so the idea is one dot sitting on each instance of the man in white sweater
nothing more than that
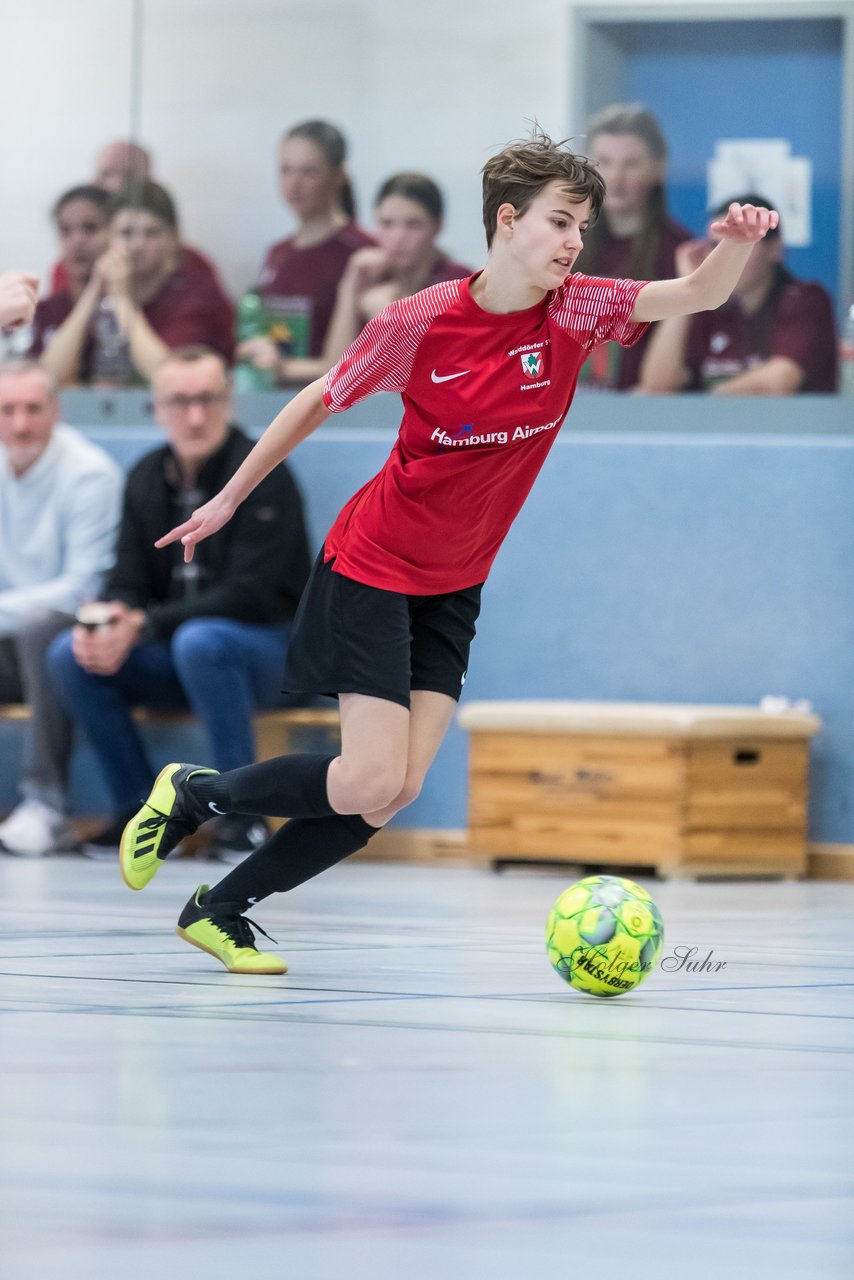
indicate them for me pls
(59, 509)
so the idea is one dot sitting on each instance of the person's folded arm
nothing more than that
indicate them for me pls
(147, 349)
(61, 354)
(776, 376)
(664, 368)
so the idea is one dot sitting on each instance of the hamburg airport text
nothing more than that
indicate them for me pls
(446, 441)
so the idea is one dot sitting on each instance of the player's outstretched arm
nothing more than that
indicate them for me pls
(297, 420)
(712, 282)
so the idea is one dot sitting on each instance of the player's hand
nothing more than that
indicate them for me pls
(745, 224)
(18, 297)
(202, 523)
(690, 255)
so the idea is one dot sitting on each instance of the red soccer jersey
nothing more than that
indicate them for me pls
(483, 397)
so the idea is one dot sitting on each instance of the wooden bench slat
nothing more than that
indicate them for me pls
(300, 717)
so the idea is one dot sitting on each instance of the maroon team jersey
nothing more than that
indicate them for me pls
(610, 368)
(299, 287)
(797, 322)
(483, 397)
(189, 308)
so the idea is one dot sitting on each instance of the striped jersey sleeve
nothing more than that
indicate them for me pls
(382, 356)
(594, 311)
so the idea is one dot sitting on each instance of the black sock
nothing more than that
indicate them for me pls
(287, 787)
(297, 851)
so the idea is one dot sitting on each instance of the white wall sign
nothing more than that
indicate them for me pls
(767, 167)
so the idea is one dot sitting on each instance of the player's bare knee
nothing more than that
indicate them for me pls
(364, 790)
(409, 792)
(406, 794)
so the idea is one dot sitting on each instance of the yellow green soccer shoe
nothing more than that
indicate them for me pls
(169, 814)
(223, 932)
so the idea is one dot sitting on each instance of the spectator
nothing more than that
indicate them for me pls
(121, 164)
(775, 336)
(408, 210)
(82, 217)
(18, 293)
(210, 635)
(141, 300)
(634, 235)
(59, 498)
(299, 276)
(118, 166)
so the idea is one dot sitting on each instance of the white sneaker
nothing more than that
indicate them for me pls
(34, 829)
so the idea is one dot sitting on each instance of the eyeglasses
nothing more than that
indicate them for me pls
(205, 400)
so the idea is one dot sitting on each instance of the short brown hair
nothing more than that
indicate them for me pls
(519, 173)
(191, 354)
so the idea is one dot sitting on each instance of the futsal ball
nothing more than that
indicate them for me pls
(604, 935)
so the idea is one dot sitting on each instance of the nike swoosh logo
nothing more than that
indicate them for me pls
(213, 807)
(446, 377)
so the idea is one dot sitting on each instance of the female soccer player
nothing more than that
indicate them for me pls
(486, 367)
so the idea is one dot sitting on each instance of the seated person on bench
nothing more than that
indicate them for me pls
(59, 499)
(210, 635)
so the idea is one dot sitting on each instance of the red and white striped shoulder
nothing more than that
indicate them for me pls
(594, 310)
(382, 356)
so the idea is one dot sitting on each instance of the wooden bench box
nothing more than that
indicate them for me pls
(690, 790)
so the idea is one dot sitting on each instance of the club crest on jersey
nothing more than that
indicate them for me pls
(532, 363)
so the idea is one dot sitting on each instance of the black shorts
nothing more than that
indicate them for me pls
(351, 638)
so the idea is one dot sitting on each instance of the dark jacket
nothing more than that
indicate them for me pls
(253, 570)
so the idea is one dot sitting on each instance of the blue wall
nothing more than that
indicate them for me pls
(770, 79)
(666, 568)
(647, 565)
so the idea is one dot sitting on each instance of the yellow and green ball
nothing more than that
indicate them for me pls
(604, 935)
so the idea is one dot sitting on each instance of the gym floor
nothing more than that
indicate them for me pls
(421, 1096)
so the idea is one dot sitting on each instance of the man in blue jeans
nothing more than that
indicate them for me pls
(210, 635)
